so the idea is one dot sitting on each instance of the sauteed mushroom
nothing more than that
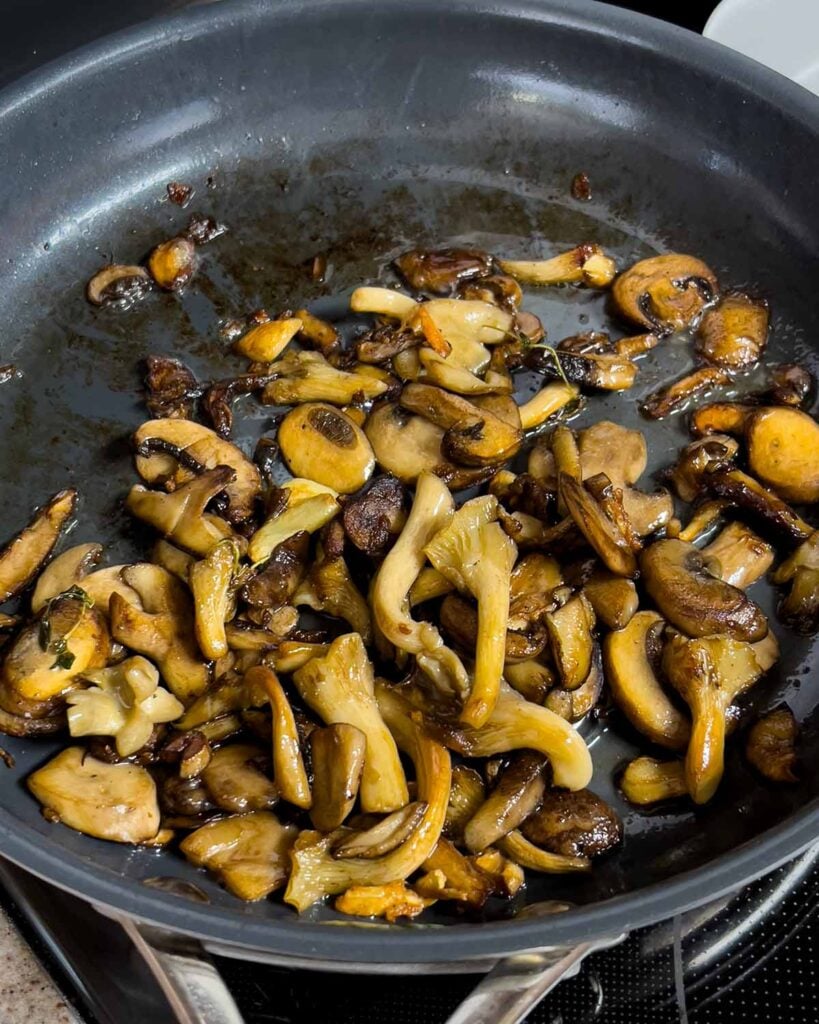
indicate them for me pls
(266, 342)
(441, 271)
(338, 753)
(743, 557)
(674, 397)
(172, 263)
(734, 333)
(516, 795)
(577, 824)
(783, 451)
(325, 445)
(586, 264)
(22, 558)
(648, 781)
(771, 745)
(664, 293)
(118, 285)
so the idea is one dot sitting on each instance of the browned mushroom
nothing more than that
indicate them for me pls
(603, 371)
(800, 609)
(771, 743)
(696, 460)
(790, 385)
(577, 703)
(674, 397)
(439, 272)
(664, 293)
(757, 503)
(743, 557)
(720, 418)
(392, 901)
(325, 445)
(172, 388)
(585, 264)
(22, 558)
(734, 333)
(517, 793)
(783, 451)
(500, 289)
(373, 518)
(648, 781)
(459, 620)
(318, 333)
(172, 263)
(266, 342)
(466, 795)
(577, 824)
(235, 780)
(613, 598)
(338, 753)
(283, 572)
(118, 285)
(602, 534)
(571, 640)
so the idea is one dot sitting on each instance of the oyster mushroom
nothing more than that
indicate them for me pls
(391, 901)
(300, 514)
(118, 285)
(577, 824)
(205, 447)
(247, 852)
(440, 271)
(734, 333)
(628, 655)
(783, 451)
(210, 581)
(664, 293)
(473, 552)
(235, 781)
(289, 774)
(585, 264)
(23, 557)
(613, 599)
(162, 629)
(325, 445)
(431, 510)
(770, 746)
(801, 606)
(459, 380)
(743, 557)
(649, 781)
(108, 801)
(308, 377)
(328, 587)
(706, 516)
(759, 504)
(573, 705)
(546, 402)
(338, 753)
(677, 579)
(673, 397)
(384, 836)
(516, 846)
(709, 673)
(517, 794)
(318, 333)
(466, 795)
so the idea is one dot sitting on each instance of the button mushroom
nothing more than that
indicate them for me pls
(709, 673)
(673, 397)
(770, 746)
(734, 333)
(613, 599)
(743, 557)
(628, 655)
(296, 517)
(64, 572)
(473, 552)
(573, 705)
(578, 824)
(325, 445)
(601, 533)
(22, 558)
(696, 460)
(440, 271)
(374, 518)
(571, 641)
(107, 801)
(664, 293)
(783, 451)
(694, 600)
(118, 285)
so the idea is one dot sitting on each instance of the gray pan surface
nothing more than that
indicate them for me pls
(355, 129)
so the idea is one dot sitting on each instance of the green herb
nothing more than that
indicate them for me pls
(65, 659)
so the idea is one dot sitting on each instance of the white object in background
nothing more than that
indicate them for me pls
(783, 34)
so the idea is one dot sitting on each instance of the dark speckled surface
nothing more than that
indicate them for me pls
(354, 148)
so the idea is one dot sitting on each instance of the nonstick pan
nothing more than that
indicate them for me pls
(354, 129)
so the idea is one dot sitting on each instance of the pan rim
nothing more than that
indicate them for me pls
(319, 941)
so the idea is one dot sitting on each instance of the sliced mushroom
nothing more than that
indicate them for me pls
(677, 579)
(383, 837)
(758, 503)
(163, 631)
(382, 301)
(628, 656)
(325, 445)
(709, 673)
(431, 510)
(236, 783)
(266, 342)
(585, 264)
(308, 377)
(613, 599)
(499, 289)
(210, 581)
(600, 371)
(171, 387)
(617, 451)
(22, 558)
(635, 346)
(771, 743)
(328, 587)
(459, 620)
(384, 342)
(404, 445)
(459, 380)
(338, 753)
(466, 326)
(227, 694)
(734, 333)
(449, 875)
(318, 333)
(247, 852)
(664, 293)
(720, 418)
(118, 285)
(374, 518)
(790, 385)
(601, 533)
(278, 623)
(546, 402)
(289, 774)
(743, 557)
(673, 397)
(531, 679)
(783, 451)
(516, 795)
(577, 824)
(466, 795)
(441, 271)
(107, 801)
(473, 552)
(571, 640)
(63, 572)
(283, 572)
(806, 556)
(706, 516)
(172, 263)
(391, 901)
(339, 688)
(801, 607)
(649, 781)
(516, 846)
(204, 447)
(696, 460)
(292, 654)
(473, 436)
(573, 705)
(316, 873)
(297, 517)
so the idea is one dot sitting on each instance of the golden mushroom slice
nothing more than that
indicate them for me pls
(392, 901)
(648, 781)
(628, 655)
(672, 397)
(571, 640)
(771, 745)
(604, 535)
(236, 783)
(758, 503)
(677, 578)
(247, 852)
(440, 271)
(172, 263)
(613, 599)
(743, 556)
(806, 556)
(460, 380)
(316, 873)
(167, 447)
(517, 794)
(299, 516)
(210, 581)
(266, 342)
(585, 264)
(324, 444)
(162, 630)
(466, 795)
(338, 753)
(340, 688)
(382, 301)
(107, 801)
(474, 553)
(519, 849)
(63, 572)
(573, 705)
(308, 377)
(709, 673)
(466, 327)
(734, 332)
(289, 773)
(664, 293)
(546, 402)
(23, 557)
(783, 451)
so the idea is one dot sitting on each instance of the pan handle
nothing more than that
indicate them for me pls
(186, 974)
(516, 984)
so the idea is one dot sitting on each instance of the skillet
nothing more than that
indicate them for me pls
(357, 130)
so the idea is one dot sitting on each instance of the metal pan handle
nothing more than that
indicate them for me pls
(186, 974)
